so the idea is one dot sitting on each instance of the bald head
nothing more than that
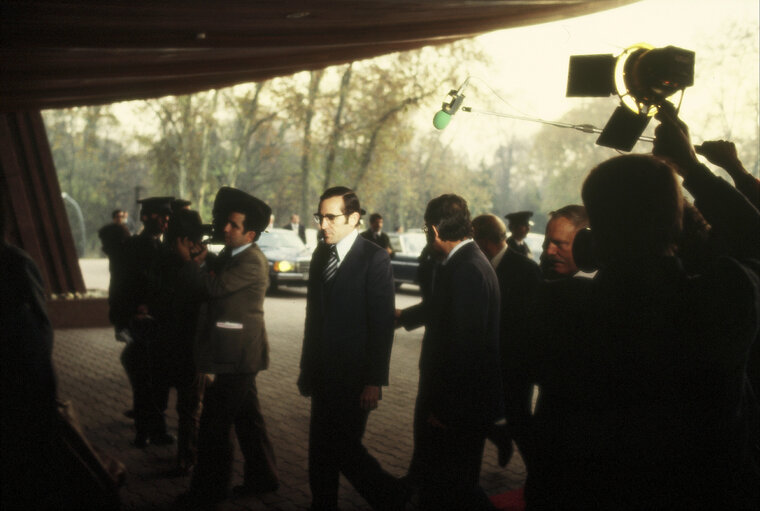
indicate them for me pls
(490, 233)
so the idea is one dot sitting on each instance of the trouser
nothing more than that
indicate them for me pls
(150, 391)
(450, 460)
(232, 399)
(335, 446)
(190, 387)
(421, 412)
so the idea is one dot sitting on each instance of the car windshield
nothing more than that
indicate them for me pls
(280, 239)
(414, 242)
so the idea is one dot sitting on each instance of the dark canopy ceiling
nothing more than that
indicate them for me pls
(60, 53)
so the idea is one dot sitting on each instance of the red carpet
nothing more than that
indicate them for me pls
(509, 501)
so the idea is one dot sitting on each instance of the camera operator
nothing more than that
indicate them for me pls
(644, 401)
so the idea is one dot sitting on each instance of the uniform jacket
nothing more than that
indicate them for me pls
(349, 325)
(233, 338)
(459, 366)
(522, 249)
(135, 277)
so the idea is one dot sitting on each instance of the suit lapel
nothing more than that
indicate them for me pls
(353, 257)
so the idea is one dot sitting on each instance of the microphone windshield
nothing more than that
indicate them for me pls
(441, 119)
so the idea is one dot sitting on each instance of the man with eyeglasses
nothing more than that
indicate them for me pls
(346, 354)
(460, 386)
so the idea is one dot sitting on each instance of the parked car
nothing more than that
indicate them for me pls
(288, 258)
(407, 247)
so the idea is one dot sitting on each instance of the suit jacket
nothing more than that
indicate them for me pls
(459, 366)
(519, 279)
(301, 230)
(135, 278)
(233, 338)
(519, 282)
(349, 323)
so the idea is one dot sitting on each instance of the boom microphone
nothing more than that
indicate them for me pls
(443, 116)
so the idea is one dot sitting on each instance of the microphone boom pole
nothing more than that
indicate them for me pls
(585, 128)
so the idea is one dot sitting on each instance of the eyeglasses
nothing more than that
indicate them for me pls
(329, 217)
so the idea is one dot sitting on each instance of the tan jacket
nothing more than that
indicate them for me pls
(232, 338)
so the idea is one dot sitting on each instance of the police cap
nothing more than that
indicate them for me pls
(159, 205)
(519, 217)
(178, 204)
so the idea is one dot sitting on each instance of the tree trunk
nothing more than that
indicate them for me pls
(332, 144)
(316, 77)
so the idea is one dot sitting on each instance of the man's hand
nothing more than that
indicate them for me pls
(183, 248)
(199, 253)
(672, 141)
(143, 312)
(396, 318)
(721, 153)
(433, 421)
(370, 396)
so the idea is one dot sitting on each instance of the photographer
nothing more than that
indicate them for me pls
(644, 401)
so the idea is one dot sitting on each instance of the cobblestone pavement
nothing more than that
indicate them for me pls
(91, 377)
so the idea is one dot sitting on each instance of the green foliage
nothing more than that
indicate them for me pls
(94, 169)
(287, 139)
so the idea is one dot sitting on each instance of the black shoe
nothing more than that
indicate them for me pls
(194, 500)
(141, 440)
(129, 414)
(403, 495)
(161, 439)
(184, 468)
(247, 490)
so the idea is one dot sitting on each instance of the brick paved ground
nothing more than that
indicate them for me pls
(91, 377)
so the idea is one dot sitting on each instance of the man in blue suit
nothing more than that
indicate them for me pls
(346, 354)
(460, 392)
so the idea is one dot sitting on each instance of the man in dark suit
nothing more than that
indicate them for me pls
(519, 280)
(296, 225)
(460, 382)
(346, 354)
(375, 233)
(113, 235)
(232, 347)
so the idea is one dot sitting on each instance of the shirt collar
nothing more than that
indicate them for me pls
(237, 250)
(498, 257)
(457, 247)
(344, 245)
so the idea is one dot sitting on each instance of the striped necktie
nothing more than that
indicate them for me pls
(331, 268)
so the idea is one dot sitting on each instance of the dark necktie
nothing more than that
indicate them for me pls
(331, 268)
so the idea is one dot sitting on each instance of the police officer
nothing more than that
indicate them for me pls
(133, 306)
(519, 226)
